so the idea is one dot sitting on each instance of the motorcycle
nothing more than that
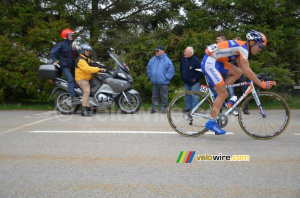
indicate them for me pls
(106, 89)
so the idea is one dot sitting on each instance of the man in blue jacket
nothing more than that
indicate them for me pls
(160, 71)
(67, 53)
(188, 65)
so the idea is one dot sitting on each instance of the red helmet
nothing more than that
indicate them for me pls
(65, 33)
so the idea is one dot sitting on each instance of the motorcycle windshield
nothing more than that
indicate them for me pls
(120, 63)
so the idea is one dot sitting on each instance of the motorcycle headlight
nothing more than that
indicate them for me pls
(122, 75)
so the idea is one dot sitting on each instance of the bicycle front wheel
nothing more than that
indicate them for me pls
(275, 121)
(183, 121)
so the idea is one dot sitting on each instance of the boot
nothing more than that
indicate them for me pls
(88, 109)
(84, 112)
(246, 111)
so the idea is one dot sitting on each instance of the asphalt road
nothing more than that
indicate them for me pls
(45, 154)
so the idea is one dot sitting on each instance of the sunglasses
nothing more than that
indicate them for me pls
(87, 50)
(157, 50)
(260, 45)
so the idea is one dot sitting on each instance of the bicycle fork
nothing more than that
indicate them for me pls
(255, 95)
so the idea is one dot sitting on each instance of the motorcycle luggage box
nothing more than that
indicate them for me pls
(49, 72)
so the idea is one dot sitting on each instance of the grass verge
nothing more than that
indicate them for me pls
(293, 102)
(48, 106)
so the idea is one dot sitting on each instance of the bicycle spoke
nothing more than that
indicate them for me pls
(255, 120)
(186, 124)
(274, 121)
(261, 126)
(265, 126)
(271, 126)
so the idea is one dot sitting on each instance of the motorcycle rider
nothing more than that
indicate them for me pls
(83, 73)
(67, 53)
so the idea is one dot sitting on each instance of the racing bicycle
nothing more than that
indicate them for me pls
(269, 112)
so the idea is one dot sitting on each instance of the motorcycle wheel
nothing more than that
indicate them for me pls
(129, 107)
(64, 105)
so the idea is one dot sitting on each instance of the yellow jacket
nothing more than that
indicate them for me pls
(83, 70)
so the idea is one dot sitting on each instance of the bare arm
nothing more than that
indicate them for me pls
(243, 64)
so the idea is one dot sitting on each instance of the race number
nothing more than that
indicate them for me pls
(210, 49)
(203, 89)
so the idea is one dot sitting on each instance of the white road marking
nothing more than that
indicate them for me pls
(297, 133)
(48, 113)
(27, 125)
(124, 132)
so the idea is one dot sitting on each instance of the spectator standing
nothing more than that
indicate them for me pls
(160, 70)
(188, 65)
(220, 37)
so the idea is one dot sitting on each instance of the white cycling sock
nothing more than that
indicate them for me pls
(213, 120)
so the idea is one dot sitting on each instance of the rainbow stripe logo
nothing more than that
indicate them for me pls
(185, 157)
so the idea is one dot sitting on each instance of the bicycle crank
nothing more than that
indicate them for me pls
(222, 120)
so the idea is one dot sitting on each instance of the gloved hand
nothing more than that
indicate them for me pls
(267, 84)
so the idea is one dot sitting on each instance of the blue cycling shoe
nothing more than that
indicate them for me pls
(212, 125)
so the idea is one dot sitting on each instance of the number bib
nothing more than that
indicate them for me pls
(210, 49)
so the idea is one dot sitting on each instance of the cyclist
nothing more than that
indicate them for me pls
(220, 38)
(216, 63)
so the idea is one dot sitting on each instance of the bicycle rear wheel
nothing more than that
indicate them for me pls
(273, 124)
(184, 123)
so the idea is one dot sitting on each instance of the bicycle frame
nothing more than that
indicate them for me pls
(270, 113)
(249, 90)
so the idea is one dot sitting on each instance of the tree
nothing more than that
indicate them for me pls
(278, 19)
(31, 28)
(27, 33)
(133, 28)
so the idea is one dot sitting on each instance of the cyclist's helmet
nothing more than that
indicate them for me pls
(65, 32)
(258, 37)
(83, 47)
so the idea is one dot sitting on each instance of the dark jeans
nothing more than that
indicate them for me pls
(161, 91)
(191, 100)
(69, 74)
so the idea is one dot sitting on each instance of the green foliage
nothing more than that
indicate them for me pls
(29, 29)
(278, 19)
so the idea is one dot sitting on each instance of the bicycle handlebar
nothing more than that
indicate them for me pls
(264, 77)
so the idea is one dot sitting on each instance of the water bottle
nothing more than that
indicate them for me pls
(231, 101)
